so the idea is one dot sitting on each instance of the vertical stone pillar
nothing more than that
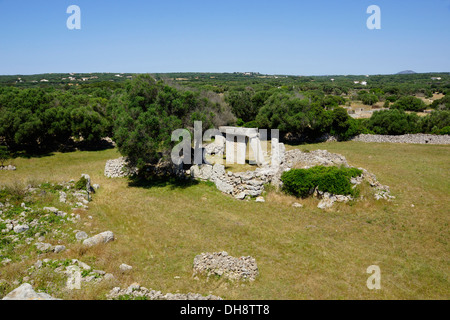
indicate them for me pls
(275, 140)
(241, 149)
(230, 148)
(255, 144)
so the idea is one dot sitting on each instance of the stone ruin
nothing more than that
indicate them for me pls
(223, 265)
(8, 168)
(242, 185)
(118, 168)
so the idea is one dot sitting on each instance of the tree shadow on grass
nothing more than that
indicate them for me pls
(161, 182)
(31, 154)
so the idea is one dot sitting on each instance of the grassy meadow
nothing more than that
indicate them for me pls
(302, 253)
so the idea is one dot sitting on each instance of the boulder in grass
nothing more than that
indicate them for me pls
(26, 292)
(100, 238)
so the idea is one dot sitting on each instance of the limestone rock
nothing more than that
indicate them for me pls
(260, 199)
(81, 235)
(58, 249)
(44, 247)
(124, 267)
(26, 292)
(103, 237)
(21, 228)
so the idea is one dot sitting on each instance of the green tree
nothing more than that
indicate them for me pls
(393, 122)
(409, 103)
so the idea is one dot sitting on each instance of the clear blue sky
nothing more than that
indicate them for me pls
(274, 37)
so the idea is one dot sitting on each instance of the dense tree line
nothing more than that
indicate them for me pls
(43, 119)
(141, 113)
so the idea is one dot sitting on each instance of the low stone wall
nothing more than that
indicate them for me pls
(240, 185)
(135, 291)
(117, 168)
(223, 265)
(407, 138)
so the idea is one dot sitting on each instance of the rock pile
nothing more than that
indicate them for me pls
(381, 191)
(222, 265)
(67, 267)
(118, 168)
(136, 292)
(407, 138)
(8, 168)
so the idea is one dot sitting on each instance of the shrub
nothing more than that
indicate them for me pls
(302, 182)
(81, 184)
(445, 130)
(394, 122)
(435, 122)
(409, 104)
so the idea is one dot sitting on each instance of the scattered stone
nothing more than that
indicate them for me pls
(26, 292)
(62, 197)
(260, 199)
(56, 211)
(297, 205)
(44, 247)
(135, 291)
(108, 277)
(8, 168)
(81, 235)
(58, 249)
(103, 237)
(21, 228)
(124, 267)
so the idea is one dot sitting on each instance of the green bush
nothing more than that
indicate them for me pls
(302, 182)
(81, 184)
(445, 130)
(409, 103)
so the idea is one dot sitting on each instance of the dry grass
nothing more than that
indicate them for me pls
(302, 253)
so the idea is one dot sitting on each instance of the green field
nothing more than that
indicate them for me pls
(302, 253)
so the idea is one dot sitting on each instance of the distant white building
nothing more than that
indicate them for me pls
(44, 80)
(364, 83)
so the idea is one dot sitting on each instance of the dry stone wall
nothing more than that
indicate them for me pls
(407, 138)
